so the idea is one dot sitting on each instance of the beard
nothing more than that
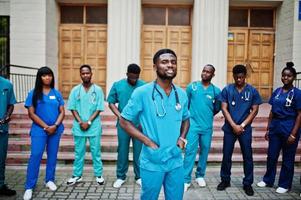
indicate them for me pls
(166, 77)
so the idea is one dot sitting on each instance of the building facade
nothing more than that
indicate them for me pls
(110, 34)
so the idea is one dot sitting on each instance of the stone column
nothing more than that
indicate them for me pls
(209, 38)
(123, 37)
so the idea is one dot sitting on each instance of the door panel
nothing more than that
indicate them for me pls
(176, 38)
(237, 50)
(153, 39)
(261, 57)
(81, 44)
(255, 49)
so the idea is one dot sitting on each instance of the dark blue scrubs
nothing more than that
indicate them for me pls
(283, 121)
(239, 107)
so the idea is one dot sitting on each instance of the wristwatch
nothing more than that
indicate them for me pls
(89, 122)
(243, 125)
(184, 140)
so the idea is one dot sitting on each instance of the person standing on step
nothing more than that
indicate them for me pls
(86, 101)
(7, 101)
(120, 93)
(162, 110)
(240, 104)
(45, 107)
(283, 131)
(203, 105)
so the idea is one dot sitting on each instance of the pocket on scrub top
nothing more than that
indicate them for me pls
(162, 155)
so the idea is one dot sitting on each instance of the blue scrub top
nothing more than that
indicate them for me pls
(86, 103)
(47, 110)
(164, 131)
(203, 102)
(243, 102)
(284, 117)
(7, 97)
(121, 92)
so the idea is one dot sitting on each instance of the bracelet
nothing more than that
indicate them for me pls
(292, 136)
(46, 128)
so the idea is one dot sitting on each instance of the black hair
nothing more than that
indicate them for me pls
(290, 67)
(133, 68)
(38, 88)
(239, 69)
(162, 51)
(210, 65)
(85, 66)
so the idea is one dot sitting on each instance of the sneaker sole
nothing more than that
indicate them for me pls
(77, 181)
(100, 183)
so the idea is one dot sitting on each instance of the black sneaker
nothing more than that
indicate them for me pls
(4, 190)
(223, 185)
(248, 190)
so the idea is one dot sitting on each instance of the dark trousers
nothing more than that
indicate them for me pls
(245, 141)
(277, 142)
(3, 153)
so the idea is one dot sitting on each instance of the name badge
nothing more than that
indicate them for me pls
(51, 97)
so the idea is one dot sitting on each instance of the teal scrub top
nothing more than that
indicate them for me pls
(121, 92)
(7, 97)
(164, 131)
(203, 104)
(86, 103)
(48, 110)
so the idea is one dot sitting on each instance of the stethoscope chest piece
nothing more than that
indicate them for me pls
(178, 106)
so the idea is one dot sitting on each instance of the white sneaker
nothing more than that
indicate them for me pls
(138, 182)
(73, 180)
(118, 183)
(186, 186)
(281, 190)
(51, 186)
(201, 182)
(100, 180)
(261, 184)
(27, 194)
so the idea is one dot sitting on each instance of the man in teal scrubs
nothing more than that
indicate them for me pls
(7, 101)
(203, 105)
(162, 110)
(86, 101)
(120, 93)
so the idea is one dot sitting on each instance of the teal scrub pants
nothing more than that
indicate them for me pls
(172, 181)
(196, 138)
(3, 153)
(123, 154)
(80, 151)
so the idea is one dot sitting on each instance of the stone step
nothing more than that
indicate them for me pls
(107, 145)
(21, 158)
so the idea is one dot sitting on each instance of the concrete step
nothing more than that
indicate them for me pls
(107, 145)
(21, 158)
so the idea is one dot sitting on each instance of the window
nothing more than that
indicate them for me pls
(75, 14)
(166, 16)
(261, 18)
(4, 45)
(238, 17)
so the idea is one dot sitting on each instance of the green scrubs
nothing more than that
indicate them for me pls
(86, 103)
(120, 93)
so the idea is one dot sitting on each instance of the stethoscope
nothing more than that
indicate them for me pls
(178, 106)
(289, 98)
(246, 97)
(92, 97)
(194, 87)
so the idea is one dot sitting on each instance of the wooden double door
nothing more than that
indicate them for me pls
(255, 49)
(82, 44)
